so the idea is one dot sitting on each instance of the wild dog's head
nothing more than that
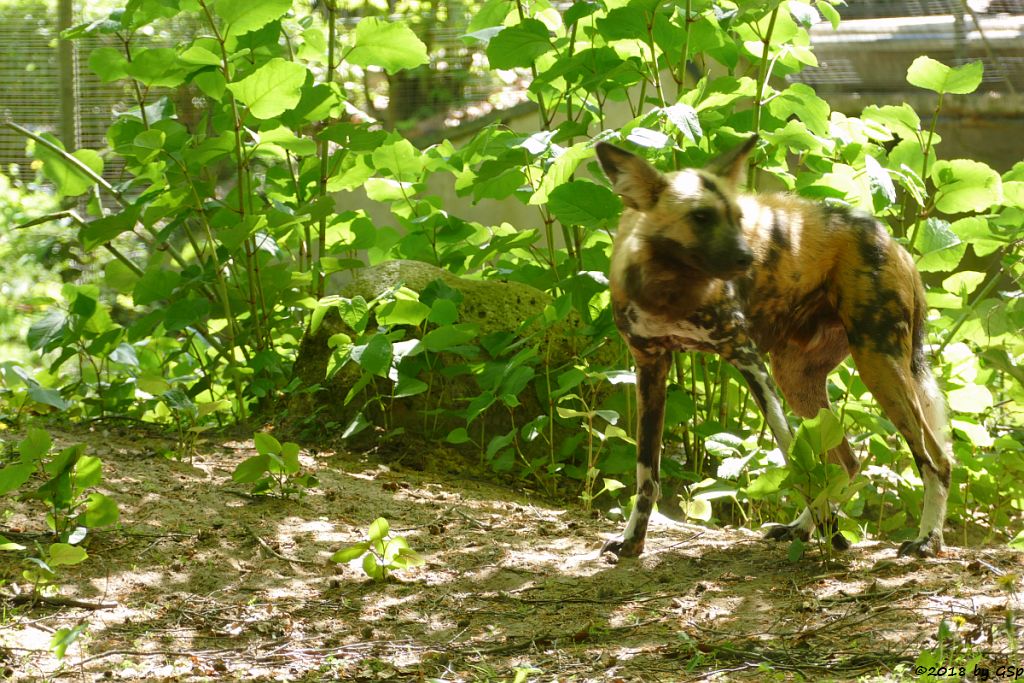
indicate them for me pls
(690, 218)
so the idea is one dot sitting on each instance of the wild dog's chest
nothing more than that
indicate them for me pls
(714, 329)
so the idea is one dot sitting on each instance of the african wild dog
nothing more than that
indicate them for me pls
(698, 265)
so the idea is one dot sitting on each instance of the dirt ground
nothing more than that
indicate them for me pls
(204, 582)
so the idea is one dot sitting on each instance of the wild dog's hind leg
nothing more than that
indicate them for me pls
(801, 372)
(748, 362)
(651, 373)
(912, 401)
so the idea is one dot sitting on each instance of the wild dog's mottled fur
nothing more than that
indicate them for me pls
(699, 265)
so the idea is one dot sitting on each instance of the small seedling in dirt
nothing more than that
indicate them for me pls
(382, 553)
(69, 474)
(41, 571)
(275, 469)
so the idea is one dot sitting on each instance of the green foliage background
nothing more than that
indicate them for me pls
(219, 239)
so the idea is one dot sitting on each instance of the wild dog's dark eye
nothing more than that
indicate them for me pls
(703, 217)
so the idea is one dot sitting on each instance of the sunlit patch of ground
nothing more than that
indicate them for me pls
(205, 582)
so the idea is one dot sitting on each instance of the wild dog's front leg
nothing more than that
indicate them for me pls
(651, 372)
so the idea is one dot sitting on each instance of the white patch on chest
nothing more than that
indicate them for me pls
(647, 326)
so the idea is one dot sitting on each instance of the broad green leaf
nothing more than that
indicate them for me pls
(391, 45)
(242, 16)
(444, 338)
(35, 445)
(64, 554)
(973, 398)
(70, 180)
(251, 469)
(272, 89)
(767, 483)
(379, 528)
(88, 470)
(290, 457)
(108, 63)
(582, 202)
(933, 75)
(941, 249)
(457, 436)
(185, 312)
(155, 285)
(1017, 543)
(352, 552)
(102, 230)
(14, 476)
(47, 329)
(100, 510)
(491, 13)
(402, 312)
(375, 355)
(964, 185)
(64, 638)
(404, 161)
(9, 545)
(158, 68)
(685, 119)
(698, 509)
(519, 45)
(372, 567)
(266, 443)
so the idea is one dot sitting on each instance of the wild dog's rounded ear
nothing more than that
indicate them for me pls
(732, 165)
(636, 181)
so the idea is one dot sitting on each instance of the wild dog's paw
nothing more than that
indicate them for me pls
(620, 547)
(929, 545)
(787, 532)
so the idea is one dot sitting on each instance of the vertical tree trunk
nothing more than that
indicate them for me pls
(66, 65)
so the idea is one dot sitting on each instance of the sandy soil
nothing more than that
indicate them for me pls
(204, 582)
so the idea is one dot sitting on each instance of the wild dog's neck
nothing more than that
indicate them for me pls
(668, 288)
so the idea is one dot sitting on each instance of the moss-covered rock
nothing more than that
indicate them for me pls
(492, 306)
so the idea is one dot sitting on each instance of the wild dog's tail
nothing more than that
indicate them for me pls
(928, 395)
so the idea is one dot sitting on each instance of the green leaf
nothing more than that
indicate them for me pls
(272, 89)
(391, 45)
(69, 179)
(185, 312)
(933, 75)
(582, 202)
(266, 444)
(444, 338)
(9, 545)
(100, 510)
(35, 445)
(108, 63)
(64, 554)
(242, 16)
(352, 552)
(379, 528)
(519, 45)
(88, 470)
(973, 398)
(964, 185)
(698, 509)
(941, 249)
(14, 476)
(47, 329)
(404, 161)
(374, 356)
(372, 567)
(290, 457)
(63, 638)
(251, 469)
(158, 68)
(155, 285)
(457, 436)
(102, 230)
(767, 484)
